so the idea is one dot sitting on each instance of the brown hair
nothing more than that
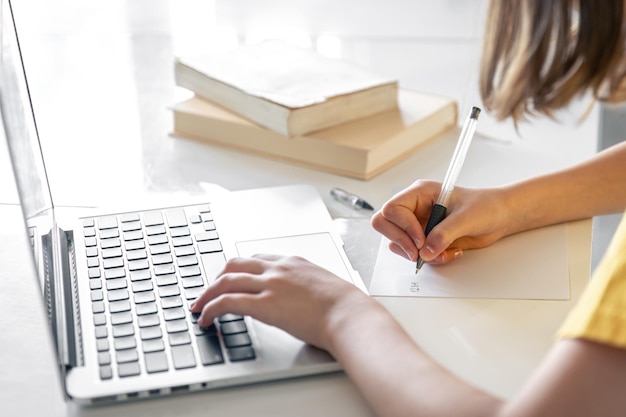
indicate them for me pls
(540, 54)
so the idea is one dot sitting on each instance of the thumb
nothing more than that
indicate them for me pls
(436, 246)
(447, 256)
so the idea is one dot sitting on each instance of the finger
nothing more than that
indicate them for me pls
(395, 248)
(268, 257)
(396, 234)
(447, 256)
(403, 216)
(443, 237)
(228, 283)
(251, 265)
(241, 304)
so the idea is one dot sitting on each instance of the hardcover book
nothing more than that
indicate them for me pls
(289, 90)
(361, 148)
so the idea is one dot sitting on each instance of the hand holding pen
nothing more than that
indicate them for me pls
(458, 158)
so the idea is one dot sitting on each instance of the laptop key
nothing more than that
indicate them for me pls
(233, 327)
(101, 332)
(140, 275)
(153, 345)
(176, 217)
(160, 249)
(174, 326)
(155, 362)
(169, 290)
(184, 251)
(210, 350)
(126, 342)
(157, 239)
(141, 286)
(128, 369)
(131, 226)
(129, 217)
(241, 354)
(208, 246)
(146, 308)
(164, 269)
(152, 332)
(116, 284)
(112, 252)
(152, 218)
(97, 295)
(144, 297)
(163, 280)
(174, 313)
(237, 340)
(108, 222)
(155, 230)
(104, 358)
(97, 307)
(94, 272)
(114, 273)
(148, 320)
(171, 302)
(113, 263)
(202, 331)
(116, 295)
(210, 235)
(102, 345)
(127, 355)
(123, 317)
(132, 235)
(117, 306)
(190, 271)
(164, 258)
(106, 372)
(183, 357)
(108, 233)
(180, 338)
(133, 255)
(213, 264)
(179, 231)
(193, 282)
(182, 241)
(121, 330)
(193, 293)
(134, 244)
(187, 260)
(138, 264)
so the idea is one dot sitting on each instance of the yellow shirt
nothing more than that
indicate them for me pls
(600, 314)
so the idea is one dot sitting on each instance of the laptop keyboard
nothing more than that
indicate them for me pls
(145, 269)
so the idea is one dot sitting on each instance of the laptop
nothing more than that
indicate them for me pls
(117, 286)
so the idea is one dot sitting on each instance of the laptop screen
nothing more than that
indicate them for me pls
(19, 124)
(26, 156)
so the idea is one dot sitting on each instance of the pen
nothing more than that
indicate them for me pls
(350, 199)
(440, 207)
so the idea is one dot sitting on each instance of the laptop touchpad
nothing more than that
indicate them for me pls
(318, 248)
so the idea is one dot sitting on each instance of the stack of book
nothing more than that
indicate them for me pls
(291, 103)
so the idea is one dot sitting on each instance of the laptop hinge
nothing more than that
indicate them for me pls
(64, 290)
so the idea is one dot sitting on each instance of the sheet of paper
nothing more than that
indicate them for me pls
(529, 265)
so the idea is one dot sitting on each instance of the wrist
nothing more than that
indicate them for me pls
(350, 321)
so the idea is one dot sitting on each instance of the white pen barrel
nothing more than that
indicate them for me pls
(458, 158)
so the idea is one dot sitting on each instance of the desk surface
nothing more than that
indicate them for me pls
(101, 77)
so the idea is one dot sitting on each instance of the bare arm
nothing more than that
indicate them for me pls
(478, 217)
(591, 188)
(577, 379)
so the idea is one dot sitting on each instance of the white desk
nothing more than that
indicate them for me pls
(102, 77)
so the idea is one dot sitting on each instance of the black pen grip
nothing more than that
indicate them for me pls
(436, 216)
